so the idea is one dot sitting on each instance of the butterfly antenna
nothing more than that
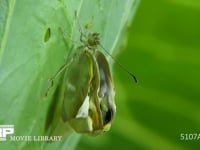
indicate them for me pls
(126, 70)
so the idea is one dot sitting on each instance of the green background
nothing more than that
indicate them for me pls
(162, 46)
(163, 51)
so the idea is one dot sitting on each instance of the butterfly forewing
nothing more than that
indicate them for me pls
(77, 78)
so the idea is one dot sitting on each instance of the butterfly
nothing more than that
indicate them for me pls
(88, 104)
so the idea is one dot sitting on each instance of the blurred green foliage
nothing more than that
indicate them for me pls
(163, 51)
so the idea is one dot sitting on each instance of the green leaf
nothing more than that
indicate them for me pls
(32, 49)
